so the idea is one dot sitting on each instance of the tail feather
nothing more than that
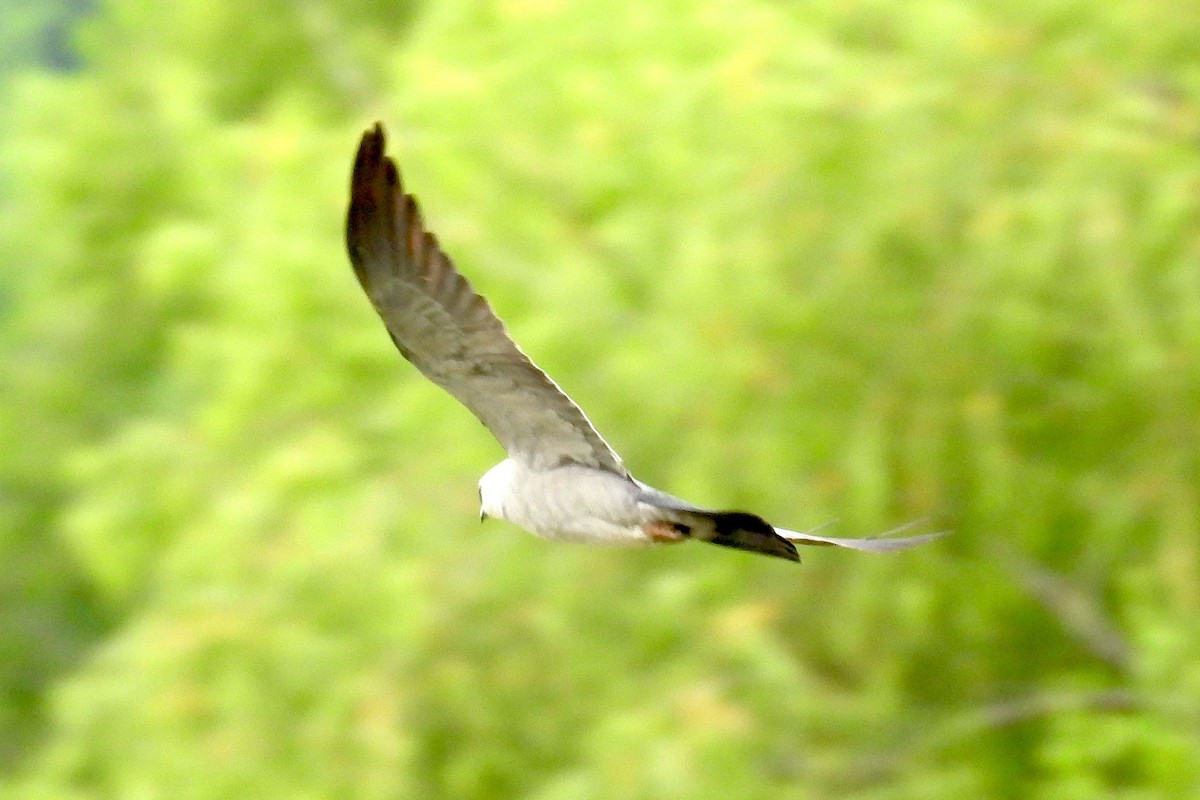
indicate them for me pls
(883, 543)
(738, 530)
(744, 531)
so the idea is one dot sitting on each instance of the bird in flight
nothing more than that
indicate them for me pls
(561, 480)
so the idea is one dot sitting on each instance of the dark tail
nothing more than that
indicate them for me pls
(738, 530)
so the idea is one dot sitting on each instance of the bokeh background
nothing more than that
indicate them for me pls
(863, 260)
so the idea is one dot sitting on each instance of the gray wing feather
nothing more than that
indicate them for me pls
(449, 332)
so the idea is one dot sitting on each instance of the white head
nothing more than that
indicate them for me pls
(494, 490)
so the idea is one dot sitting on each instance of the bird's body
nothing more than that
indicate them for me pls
(561, 480)
(568, 503)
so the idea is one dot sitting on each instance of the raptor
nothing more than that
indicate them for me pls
(561, 480)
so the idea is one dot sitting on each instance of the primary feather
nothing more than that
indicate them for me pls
(449, 332)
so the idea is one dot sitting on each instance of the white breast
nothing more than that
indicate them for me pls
(569, 503)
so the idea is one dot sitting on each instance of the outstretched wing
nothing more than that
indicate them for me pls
(449, 332)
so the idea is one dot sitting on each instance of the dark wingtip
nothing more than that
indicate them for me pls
(373, 140)
(367, 161)
(373, 180)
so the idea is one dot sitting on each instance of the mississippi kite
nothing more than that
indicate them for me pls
(561, 480)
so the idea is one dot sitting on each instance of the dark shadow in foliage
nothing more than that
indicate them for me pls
(50, 618)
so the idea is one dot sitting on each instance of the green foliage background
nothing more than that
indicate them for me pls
(861, 260)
